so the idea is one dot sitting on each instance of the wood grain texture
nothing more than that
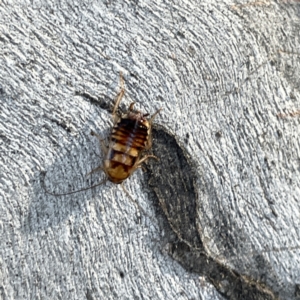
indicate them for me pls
(227, 77)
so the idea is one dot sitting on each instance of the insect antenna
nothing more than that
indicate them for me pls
(73, 192)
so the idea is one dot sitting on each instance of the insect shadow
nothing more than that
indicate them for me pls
(175, 184)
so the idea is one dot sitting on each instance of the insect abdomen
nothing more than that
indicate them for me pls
(129, 137)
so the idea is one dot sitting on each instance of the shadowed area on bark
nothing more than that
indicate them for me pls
(173, 180)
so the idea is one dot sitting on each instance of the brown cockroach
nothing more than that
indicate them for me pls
(130, 138)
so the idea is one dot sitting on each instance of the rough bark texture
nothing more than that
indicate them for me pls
(218, 217)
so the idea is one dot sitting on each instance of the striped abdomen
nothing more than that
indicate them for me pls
(129, 137)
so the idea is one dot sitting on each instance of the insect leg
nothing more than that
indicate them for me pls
(100, 168)
(131, 106)
(154, 115)
(139, 208)
(291, 114)
(139, 162)
(102, 143)
(119, 97)
(149, 142)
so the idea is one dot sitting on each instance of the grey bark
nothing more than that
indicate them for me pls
(227, 77)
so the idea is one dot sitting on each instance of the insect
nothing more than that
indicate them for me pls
(129, 140)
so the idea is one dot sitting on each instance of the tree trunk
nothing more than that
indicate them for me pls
(217, 217)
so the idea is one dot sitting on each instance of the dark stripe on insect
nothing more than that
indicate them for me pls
(115, 164)
(121, 144)
(133, 143)
(113, 152)
(130, 142)
(137, 132)
(124, 131)
(129, 126)
(130, 123)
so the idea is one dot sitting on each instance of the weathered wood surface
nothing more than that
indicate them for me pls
(222, 72)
